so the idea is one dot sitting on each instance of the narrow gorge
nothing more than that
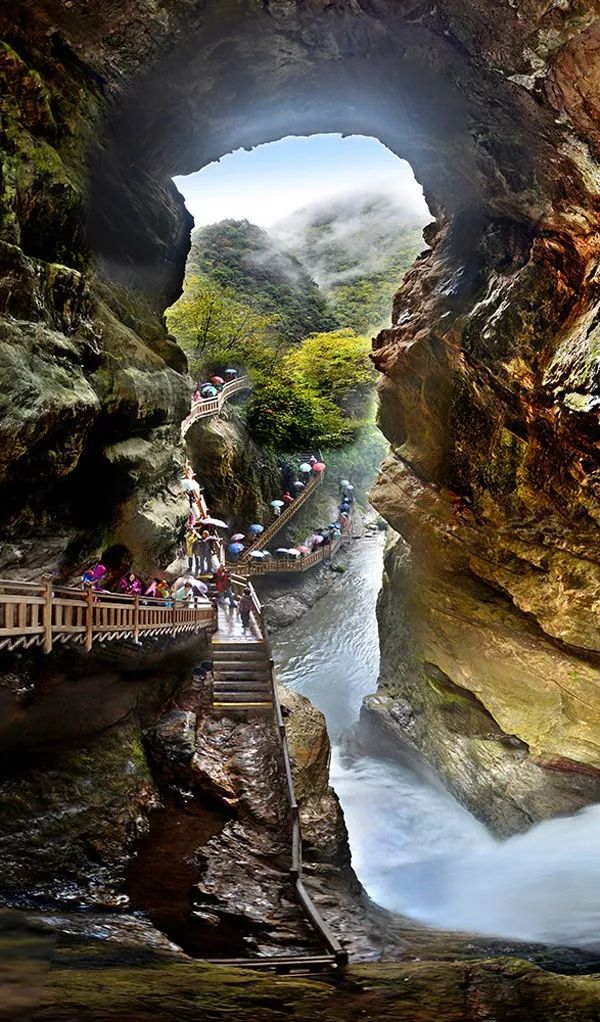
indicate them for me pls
(440, 688)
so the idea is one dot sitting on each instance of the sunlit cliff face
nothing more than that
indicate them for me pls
(489, 372)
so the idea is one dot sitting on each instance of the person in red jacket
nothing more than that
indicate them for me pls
(223, 587)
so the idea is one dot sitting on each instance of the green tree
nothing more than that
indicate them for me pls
(214, 327)
(286, 413)
(334, 364)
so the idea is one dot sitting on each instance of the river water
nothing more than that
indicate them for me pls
(414, 848)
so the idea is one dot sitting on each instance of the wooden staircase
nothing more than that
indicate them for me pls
(242, 675)
(265, 537)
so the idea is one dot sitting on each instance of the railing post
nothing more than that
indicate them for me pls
(48, 615)
(174, 618)
(136, 617)
(89, 623)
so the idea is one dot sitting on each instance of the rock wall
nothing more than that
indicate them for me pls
(489, 397)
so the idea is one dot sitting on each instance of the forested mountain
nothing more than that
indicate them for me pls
(357, 248)
(240, 256)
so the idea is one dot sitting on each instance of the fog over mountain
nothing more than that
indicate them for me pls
(263, 272)
(357, 247)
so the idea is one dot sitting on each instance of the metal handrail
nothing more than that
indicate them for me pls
(213, 405)
(308, 907)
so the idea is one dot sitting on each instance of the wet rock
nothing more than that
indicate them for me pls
(174, 737)
(323, 828)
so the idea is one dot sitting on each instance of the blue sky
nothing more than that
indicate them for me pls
(277, 178)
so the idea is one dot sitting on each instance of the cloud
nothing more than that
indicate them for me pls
(349, 236)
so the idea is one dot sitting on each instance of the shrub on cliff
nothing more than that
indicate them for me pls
(286, 413)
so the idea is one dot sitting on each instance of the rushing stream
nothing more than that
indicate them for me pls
(414, 848)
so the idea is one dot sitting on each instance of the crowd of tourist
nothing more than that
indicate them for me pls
(208, 576)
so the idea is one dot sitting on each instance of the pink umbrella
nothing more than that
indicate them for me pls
(316, 540)
(319, 466)
(303, 549)
(239, 536)
(217, 379)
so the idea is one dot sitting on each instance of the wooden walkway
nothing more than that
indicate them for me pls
(48, 615)
(213, 405)
(276, 566)
(245, 680)
(286, 515)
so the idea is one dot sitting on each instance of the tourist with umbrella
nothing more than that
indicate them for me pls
(318, 467)
(256, 529)
(218, 382)
(298, 486)
(306, 469)
(230, 374)
(287, 498)
(277, 506)
(235, 549)
(207, 390)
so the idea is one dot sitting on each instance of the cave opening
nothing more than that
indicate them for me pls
(489, 376)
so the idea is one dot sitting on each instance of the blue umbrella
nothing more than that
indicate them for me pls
(256, 529)
(207, 390)
(235, 548)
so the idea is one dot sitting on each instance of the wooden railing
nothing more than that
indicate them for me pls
(275, 566)
(284, 517)
(46, 615)
(213, 405)
(339, 956)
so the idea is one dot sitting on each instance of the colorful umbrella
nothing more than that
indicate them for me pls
(316, 540)
(256, 529)
(207, 390)
(217, 380)
(305, 467)
(257, 555)
(319, 466)
(235, 548)
(303, 549)
(218, 524)
(238, 537)
(276, 503)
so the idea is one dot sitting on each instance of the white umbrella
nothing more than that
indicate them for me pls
(305, 467)
(214, 521)
(276, 503)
